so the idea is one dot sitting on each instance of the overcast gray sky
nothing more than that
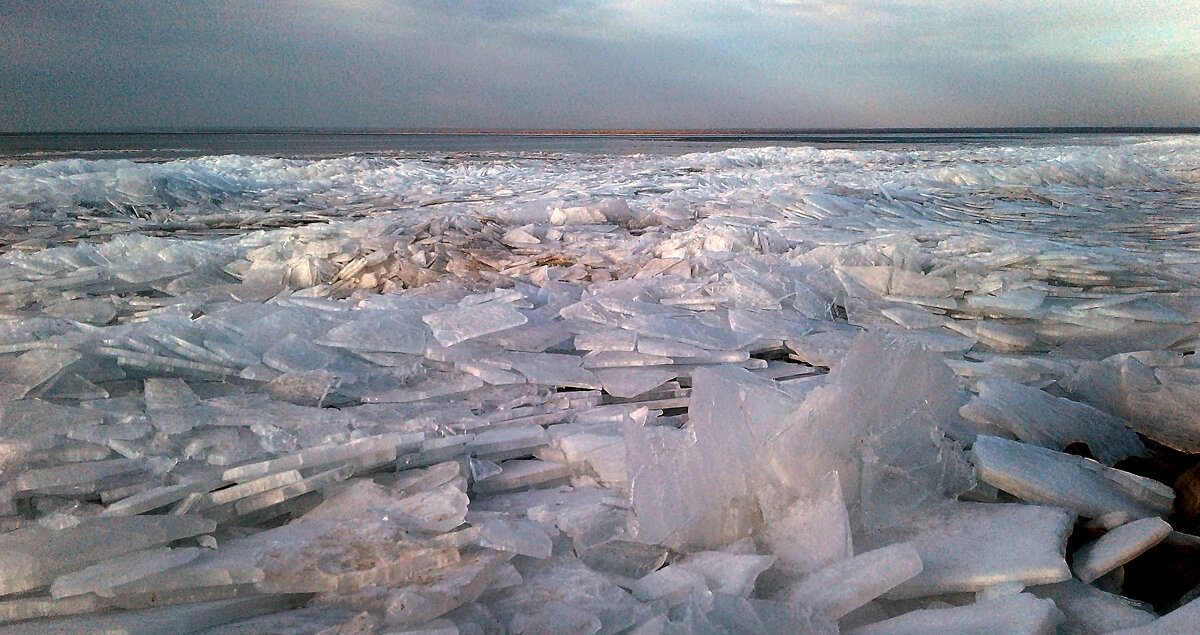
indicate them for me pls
(597, 64)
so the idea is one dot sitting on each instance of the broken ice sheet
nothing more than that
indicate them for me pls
(435, 510)
(1163, 409)
(184, 618)
(33, 557)
(446, 589)
(100, 578)
(968, 547)
(631, 382)
(751, 447)
(1090, 610)
(562, 594)
(811, 534)
(378, 331)
(1043, 476)
(670, 585)
(843, 586)
(1021, 614)
(726, 572)
(520, 537)
(20, 375)
(458, 324)
(1118, 546)
(1040, 418)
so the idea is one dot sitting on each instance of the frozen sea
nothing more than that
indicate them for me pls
(494, 383)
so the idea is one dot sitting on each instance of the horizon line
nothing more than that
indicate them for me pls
(620, 131)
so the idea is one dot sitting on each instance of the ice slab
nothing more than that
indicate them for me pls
(1043, 476)
(885, 280)
(751, 447)
(1019, 303)
(100, 578)
(521, 474)
(446, 589)
(520, 537)
(564, 595)
(1037, 417)
(34, 557)
(1118, 546)
(1090, 610)
(725, 572)
(1021, 614)
(631, 382)
(179, 619)
(811, 534)
(73, 478)
(670, 585)
(462, 323)
(844, 586)
(968, 547)
(1181, 621)
(1153, 404)
(378, 332)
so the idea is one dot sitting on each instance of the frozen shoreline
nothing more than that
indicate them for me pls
(501, 394)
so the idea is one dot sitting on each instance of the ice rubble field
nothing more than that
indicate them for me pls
(758, 390)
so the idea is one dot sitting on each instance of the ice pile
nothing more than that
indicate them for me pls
(772, 390)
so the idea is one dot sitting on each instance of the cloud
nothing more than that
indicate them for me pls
(597, 63)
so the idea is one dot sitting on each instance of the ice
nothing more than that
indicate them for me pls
(378, 332)
(520, 474)
(727, 573)
(612, 340)
(183, 618)
(1021, 614)
(1178, 622)
(1005, 337)
(445, 590)
(33, 558)
(32, 369)
(163, 393)
(844, 586)
(969, 547)
(564, 595)
(100, 578)
(80, 478)
(488, 392)
(325, 455)
(508, 442)
(885, 280)
(631, 382)
(811, 534)
(1043, 476)
(1156, 405)
(1118, 546)
(670, 585)
(752, 448)
(1037, 417)
(523, 538)
(462, 323)
(1022, 303)
(1090, 610)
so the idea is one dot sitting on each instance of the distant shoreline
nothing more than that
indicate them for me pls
(714, 133)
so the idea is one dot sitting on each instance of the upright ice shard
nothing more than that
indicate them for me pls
(752, 447)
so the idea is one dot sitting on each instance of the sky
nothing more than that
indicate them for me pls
(596, 64)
